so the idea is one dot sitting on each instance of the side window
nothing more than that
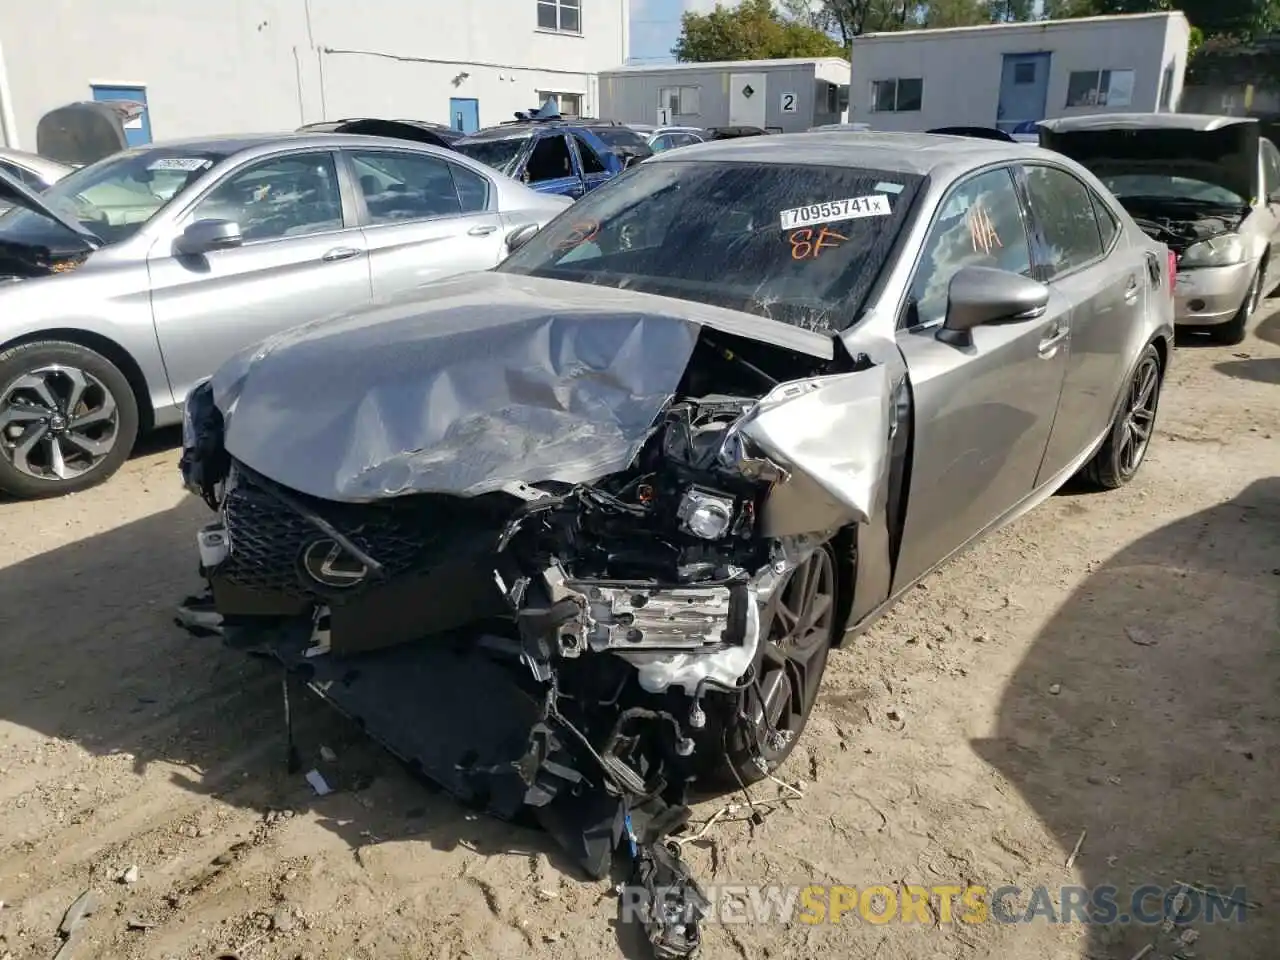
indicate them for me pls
(550, 160)
(281, 197)
(473, 189)
(591, 162)
(1068, 224)
(399, 187)
(1107, 222)
(979, 224)
(664, 142)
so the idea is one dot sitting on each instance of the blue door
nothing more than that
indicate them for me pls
(136, 131)
(464, 114)
(1024, 89)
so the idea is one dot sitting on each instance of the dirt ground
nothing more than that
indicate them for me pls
(1108, 664)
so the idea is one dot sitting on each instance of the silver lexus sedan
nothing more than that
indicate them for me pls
(129, 280)
(612, 502)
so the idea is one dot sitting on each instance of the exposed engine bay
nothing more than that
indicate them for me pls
(593, 647)
(1178, 225)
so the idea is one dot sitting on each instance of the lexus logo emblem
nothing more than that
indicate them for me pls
(329, 565)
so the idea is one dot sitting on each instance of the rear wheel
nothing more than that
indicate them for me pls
(1234, 330)
(769, 717)
(1121, 454)
(68, 419)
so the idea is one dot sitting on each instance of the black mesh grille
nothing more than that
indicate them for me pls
(405, 535)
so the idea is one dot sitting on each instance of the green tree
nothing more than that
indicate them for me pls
(753, 30)
(1243, 19)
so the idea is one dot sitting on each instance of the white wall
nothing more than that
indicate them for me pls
(962, 68)
(235, 66)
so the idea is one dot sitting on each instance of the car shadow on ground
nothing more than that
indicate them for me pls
(1145, 718)
(91, 655)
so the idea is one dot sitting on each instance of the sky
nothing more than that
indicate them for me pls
(655, 25)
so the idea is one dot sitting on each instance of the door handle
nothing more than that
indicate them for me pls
(1049, 345)
(481, 231)
(1131, 291)
(341, 253)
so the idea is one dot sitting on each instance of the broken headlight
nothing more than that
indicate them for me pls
(705, 514)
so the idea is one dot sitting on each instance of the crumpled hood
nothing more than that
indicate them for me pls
(466, 385)
(20, 195)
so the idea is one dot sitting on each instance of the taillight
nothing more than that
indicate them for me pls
(1173, 271)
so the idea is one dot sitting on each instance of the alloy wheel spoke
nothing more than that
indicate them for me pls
(22, 450)
(39, 385)
(96, 449)
(57, 465)
(79, 384)
(21, 413)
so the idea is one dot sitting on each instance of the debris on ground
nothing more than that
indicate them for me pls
(130, 875)
(327, 755)
(318, 783)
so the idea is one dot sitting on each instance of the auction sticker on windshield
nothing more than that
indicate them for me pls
(833, 211)
(185, 164)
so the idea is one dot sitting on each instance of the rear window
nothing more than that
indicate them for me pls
(799, 244)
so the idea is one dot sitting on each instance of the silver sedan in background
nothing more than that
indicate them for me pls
(37, 172)
(131, 279)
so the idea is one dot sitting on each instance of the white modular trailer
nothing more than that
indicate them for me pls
(1012, 75)
(787, 96)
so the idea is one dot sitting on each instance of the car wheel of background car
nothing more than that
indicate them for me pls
(1233, 331)
(68, 419)
(796, 639)
(1121, 454)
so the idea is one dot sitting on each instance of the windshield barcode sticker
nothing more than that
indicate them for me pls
(833, 211)
(186, 164)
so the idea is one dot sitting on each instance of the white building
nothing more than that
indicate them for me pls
(1017, 73)
(236, 66)
(785, 95)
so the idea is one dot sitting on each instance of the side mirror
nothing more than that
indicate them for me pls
(206, 235)
(518, 237)
(982, 295)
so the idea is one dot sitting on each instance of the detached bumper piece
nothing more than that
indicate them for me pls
(456, 711)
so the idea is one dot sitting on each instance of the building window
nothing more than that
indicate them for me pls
(1166, 89)
(569, 104)
(681, 101)
(897, 96)
(563, 16)
(1100, 88)
(1024, 73)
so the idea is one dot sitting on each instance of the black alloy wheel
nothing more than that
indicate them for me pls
(1122, 453)
(797, 625)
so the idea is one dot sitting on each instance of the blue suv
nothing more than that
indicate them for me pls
(553, 155)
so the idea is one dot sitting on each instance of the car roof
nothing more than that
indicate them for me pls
(914, 153)
(1201, 122)
(265, 142)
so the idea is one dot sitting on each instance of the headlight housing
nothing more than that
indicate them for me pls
(188, 416)
(705, 514)
(1223, 250)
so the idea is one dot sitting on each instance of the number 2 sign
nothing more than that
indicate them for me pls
(789, 104)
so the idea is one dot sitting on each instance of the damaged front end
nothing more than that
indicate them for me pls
(584, 650)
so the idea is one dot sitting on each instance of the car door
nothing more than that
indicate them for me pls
(550, 167)
(1269, 205)
(1077, 243)
(302, 257)
(982, 413)
(593, 167)
(424, 217)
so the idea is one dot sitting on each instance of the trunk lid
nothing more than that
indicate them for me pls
(1225, 154)
(85, 132)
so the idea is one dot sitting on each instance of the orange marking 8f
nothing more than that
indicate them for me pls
(808, 244)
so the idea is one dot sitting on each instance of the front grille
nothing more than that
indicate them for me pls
(406, 535)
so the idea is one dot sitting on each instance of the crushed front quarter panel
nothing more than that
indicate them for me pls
(469, 384)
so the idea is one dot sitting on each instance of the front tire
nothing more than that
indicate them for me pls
(797, 629)
(1121, 454)
(1234, 330)
(68, 419)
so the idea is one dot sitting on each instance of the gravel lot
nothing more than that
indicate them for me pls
(1107, 664)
